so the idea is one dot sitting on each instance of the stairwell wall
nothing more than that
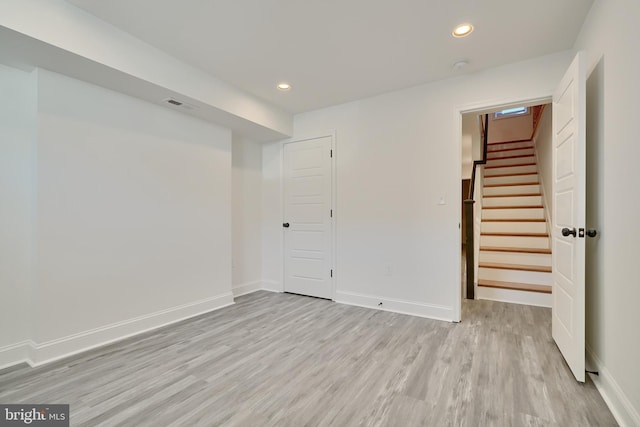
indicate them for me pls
(543, 141)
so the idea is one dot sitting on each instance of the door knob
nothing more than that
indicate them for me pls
(285, 225)
(569, 232)
(592, 232)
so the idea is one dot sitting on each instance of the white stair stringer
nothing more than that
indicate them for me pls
(515, 257)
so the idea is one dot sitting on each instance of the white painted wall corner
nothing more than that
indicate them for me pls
(246, 288)
(272, 286)
(14, 354)
(617, 401)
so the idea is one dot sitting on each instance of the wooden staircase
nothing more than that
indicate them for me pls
(515, 255)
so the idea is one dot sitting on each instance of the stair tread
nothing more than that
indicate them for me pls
(510, 185)
(515, 286)
(516, 165)
(510, 174)
(501, 150)
(513, 207)
(513, 195)
(519, 250)
(521, 267)
(519, 156)
(513, 234)
(509, 142)
(514, 220)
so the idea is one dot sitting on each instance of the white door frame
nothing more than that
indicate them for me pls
(332, 135)
(478, 107)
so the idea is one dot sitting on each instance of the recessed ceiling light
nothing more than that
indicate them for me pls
(283, 86)
(462, 30)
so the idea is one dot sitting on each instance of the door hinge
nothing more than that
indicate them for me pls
(330, 153)
(331, 273)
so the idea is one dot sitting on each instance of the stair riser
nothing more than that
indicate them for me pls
(531, 277)
(512, 201)
(506, 180)
(530, 213)
(515, 242)
(515, 258)
(512, 296)
(508, 162)
(523, 144)
(512, 189)
(510, 170)
(514, 227)
(510, 153)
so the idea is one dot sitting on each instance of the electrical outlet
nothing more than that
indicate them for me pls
(387, 270)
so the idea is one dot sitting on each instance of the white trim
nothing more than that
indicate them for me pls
(272, 286)
(42, 353)
(334, 197)
(429, 311)
(14, 354)
(615, 398)
(456, 315)
(246, 288)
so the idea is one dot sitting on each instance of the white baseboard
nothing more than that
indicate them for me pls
(272, 286)
(538, 299)
(42, 353)
(14, 354)
(615, 398)
(246, 288)
(430, 311)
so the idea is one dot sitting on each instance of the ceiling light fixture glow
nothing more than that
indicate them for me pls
(462, 30)
(284, 86)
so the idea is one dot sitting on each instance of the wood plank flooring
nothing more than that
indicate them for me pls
(287, 360)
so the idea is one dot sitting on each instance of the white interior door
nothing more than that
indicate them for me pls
(307, 222)
(569, 176)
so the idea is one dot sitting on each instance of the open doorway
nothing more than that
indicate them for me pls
(506, 188)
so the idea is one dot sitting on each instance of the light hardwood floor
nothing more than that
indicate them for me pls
(287, 360)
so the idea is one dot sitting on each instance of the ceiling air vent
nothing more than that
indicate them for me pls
(180, 104)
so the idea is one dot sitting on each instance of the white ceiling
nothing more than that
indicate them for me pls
(333, 51)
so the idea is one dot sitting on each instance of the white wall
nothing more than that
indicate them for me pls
(397, 155)
(544, 154)
(510, 128)
(17, 134)
(246, 219)
(610, 39)
(134, 216)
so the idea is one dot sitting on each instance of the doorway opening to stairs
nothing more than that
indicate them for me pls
(506, 191)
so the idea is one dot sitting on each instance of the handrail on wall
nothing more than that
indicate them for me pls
(468, 212)
(483, 161)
